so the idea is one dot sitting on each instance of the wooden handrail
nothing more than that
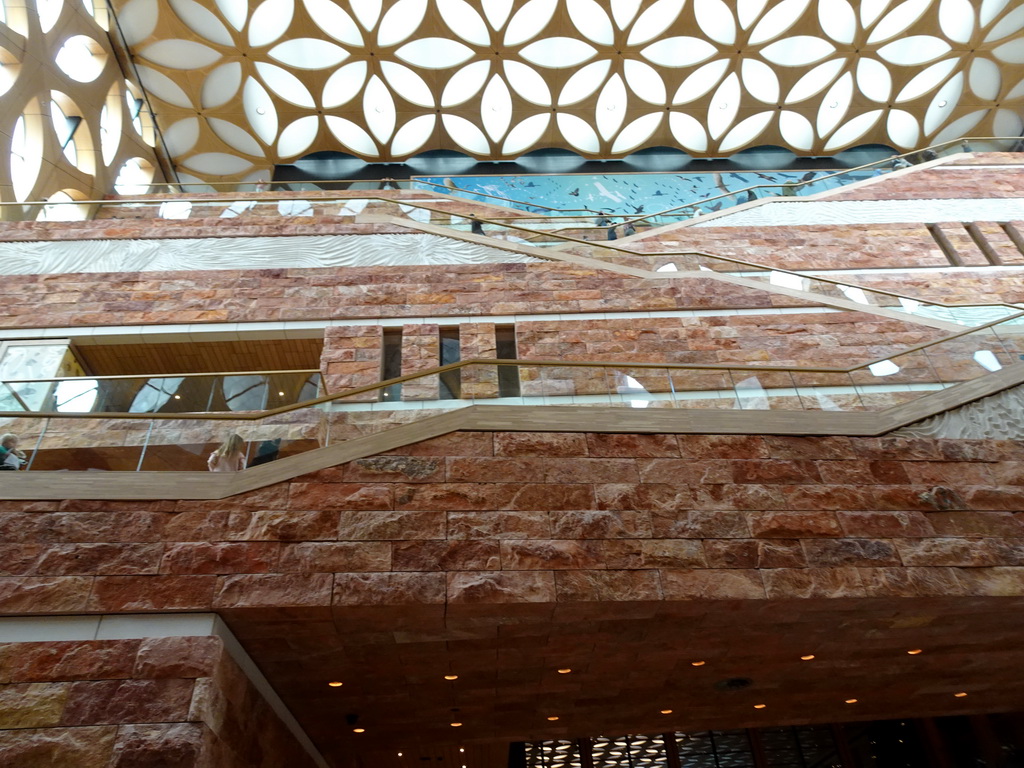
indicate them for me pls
(377, 386)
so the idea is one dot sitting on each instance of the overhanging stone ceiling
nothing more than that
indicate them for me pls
(241, 85)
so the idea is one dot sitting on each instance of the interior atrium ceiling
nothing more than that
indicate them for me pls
(239, 86)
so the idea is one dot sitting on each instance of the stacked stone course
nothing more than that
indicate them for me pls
(164, 701)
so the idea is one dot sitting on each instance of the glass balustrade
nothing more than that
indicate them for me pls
(170, 435)
(191, 393)
(314, 198)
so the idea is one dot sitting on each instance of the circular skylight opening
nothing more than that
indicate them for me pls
(81, 58)
(26, 151)
(65, 127)
(15, 18)
(139, 115)
(110, 126)
(72, 132)
(134, 177)
(98, 10)
(63, 206)
(9, 68)
(49, 12)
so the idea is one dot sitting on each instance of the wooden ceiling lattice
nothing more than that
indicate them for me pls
(242, 85)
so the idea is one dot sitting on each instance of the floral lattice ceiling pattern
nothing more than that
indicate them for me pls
(241, 85)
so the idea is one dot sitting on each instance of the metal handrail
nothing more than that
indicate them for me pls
(419, 180)
(380, 385)
(593, 244)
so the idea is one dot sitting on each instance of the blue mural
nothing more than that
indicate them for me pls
(637, 194)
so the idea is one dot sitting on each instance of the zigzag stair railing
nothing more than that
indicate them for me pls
(181, 441)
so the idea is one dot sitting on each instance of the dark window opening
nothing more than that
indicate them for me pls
(391, 363)
(450, 382)
(505, 349)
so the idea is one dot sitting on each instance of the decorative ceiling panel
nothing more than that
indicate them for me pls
(242, 85)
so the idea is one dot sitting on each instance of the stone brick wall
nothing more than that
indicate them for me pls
(943, 182)
(505, 553)
(820, 339)
(547, 517)
(169, 701)
(850, 246)
(316, 294)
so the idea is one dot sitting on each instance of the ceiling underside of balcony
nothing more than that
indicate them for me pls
(239, 86)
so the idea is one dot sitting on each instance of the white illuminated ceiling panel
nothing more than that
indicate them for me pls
(386, 79)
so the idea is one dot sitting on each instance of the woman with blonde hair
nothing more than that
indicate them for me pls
(230, 457)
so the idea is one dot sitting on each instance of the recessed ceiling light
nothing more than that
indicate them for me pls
(399, 754)
(851, 701)
(808, 657)
(961, 694)
(697, 663)
(553, 718)
(666, 711)
(760, 706)
(358, 730)
(335, 684)
(462, 749)
(451, 677)
(280, 394)
(914, 651)
(456, 725)
(564, 671)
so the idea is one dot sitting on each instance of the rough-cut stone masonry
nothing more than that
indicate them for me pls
(505, 555)
(833, 246)
(166, 701)
(821, 339)
(352, 354)
(314, 294)
(943, 182)
(142, 221)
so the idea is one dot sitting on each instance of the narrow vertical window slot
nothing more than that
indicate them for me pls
(505, 349)
(450, 351)
(391, 363)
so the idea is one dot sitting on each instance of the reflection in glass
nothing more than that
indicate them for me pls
(245, 393)
(154, 394)
(75, 395)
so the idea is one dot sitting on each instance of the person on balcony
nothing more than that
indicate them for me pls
(10, 457)
(230, 457)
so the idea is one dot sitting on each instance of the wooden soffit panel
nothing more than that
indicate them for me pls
(242, 85)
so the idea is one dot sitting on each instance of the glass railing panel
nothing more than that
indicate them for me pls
(896, 380)
(29, 430)
(641, 387)
(1011, 337)
(970, 356)
(186, 445)
(162, 394)
(12, 398)
(706, 262)
(703, 388)
(765, 390)
(569, 385)
(287, 434)
(88, 444)
(827, 391)
(483, 382)
(431, 387)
